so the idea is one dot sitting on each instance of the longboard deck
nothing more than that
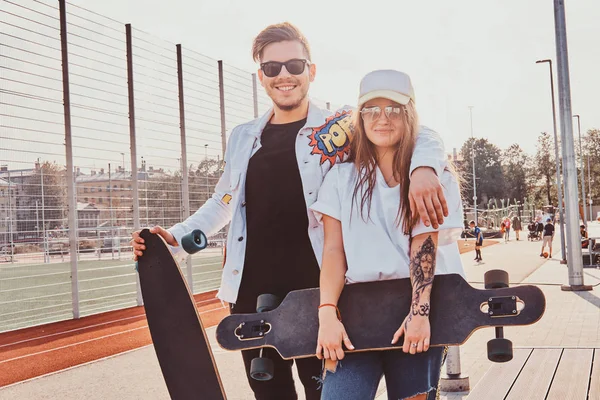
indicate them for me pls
(179, 339)
(372, 312)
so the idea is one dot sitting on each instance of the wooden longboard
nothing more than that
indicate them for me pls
(181, 345)
(372, 312)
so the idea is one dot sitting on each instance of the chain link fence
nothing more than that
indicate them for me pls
(132, 127)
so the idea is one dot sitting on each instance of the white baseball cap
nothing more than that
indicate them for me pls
(388, 84)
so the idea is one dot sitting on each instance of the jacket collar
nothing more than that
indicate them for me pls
(316, 117)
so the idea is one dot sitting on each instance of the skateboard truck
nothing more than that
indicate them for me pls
(261, 368)
(500, 349)
(252, 330)
(502, 306)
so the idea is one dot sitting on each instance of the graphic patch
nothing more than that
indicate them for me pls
(226, 199)
(332, 139)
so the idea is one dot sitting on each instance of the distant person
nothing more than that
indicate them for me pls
(516, 225)
(478, 240)
(539, 227)
(506, 229)
(548, 236)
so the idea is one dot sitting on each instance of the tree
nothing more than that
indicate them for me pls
(545, 171)
(203, 180)
(488, 170)
(43, 205)
(591, 145)
(515, 165)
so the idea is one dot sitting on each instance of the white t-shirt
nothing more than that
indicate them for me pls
(378, 249)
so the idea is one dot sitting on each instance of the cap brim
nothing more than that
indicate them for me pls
(386, 94)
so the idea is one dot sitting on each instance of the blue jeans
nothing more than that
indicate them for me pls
(357, 376)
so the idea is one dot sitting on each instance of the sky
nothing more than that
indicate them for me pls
(458, 53)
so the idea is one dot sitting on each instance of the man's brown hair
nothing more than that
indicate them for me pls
(278, 33)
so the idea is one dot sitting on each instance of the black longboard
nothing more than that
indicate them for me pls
(181, 345)
(372, 312)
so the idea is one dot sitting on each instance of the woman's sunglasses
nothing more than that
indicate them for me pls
(273, 68)
(369, 114)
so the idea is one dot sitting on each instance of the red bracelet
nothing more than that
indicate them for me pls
(337, 310)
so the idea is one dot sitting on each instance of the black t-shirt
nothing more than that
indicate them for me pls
(548, 229)
(279, 255)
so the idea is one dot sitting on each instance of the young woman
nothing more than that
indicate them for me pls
(373, 233)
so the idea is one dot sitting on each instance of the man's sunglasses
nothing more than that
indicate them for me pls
(294, 66)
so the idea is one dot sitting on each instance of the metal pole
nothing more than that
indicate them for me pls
(69, 158)
(10, 220)
(185, 183)
(206, 165)
(110, 209)
(328, 105)
(45, 242)
(559, 188)
(222, 107)
(582, 167)
(473, 158)
(133, 147)
(454, 381)
(590, 216)
(574, 256)
(255, 95)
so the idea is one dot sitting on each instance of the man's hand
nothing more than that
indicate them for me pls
(138, 243)
(427, 197)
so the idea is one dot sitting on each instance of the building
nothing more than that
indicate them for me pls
(111, 192)
(8, 212)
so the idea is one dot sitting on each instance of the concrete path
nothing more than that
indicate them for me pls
(571, 319)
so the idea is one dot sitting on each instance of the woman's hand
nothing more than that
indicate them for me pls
(331, 335)
(417, 333)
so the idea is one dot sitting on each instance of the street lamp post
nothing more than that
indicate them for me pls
(473, 159)
(582, 167)
(591, 217)
(574, 257)
(559, 188)
(206, 165)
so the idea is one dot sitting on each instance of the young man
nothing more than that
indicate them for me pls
(478, 240)
(274, 168)
(548, 236)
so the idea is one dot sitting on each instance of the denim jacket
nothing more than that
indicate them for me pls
(323, 141)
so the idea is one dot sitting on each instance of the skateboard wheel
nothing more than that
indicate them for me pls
(500, 350)
(194, 241)
(267, 302)
(262, 369)
(495, 279)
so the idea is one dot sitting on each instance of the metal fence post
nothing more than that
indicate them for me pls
(69, 156)
(454, 381)
(133, 147)
(222, 106)
(185, 184)
(574, 255)
(255, 95)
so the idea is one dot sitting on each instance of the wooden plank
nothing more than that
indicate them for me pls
(572, 377)
(498, 380)
(534, 380)
(594, 393)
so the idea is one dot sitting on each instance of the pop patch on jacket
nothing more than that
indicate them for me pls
(332, 139)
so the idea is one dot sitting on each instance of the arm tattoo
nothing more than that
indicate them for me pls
(422, 269)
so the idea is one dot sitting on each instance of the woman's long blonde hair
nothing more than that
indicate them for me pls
(364, 156)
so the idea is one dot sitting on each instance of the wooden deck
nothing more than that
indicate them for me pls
(545, 374)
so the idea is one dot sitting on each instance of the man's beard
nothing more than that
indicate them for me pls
(290, 107)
